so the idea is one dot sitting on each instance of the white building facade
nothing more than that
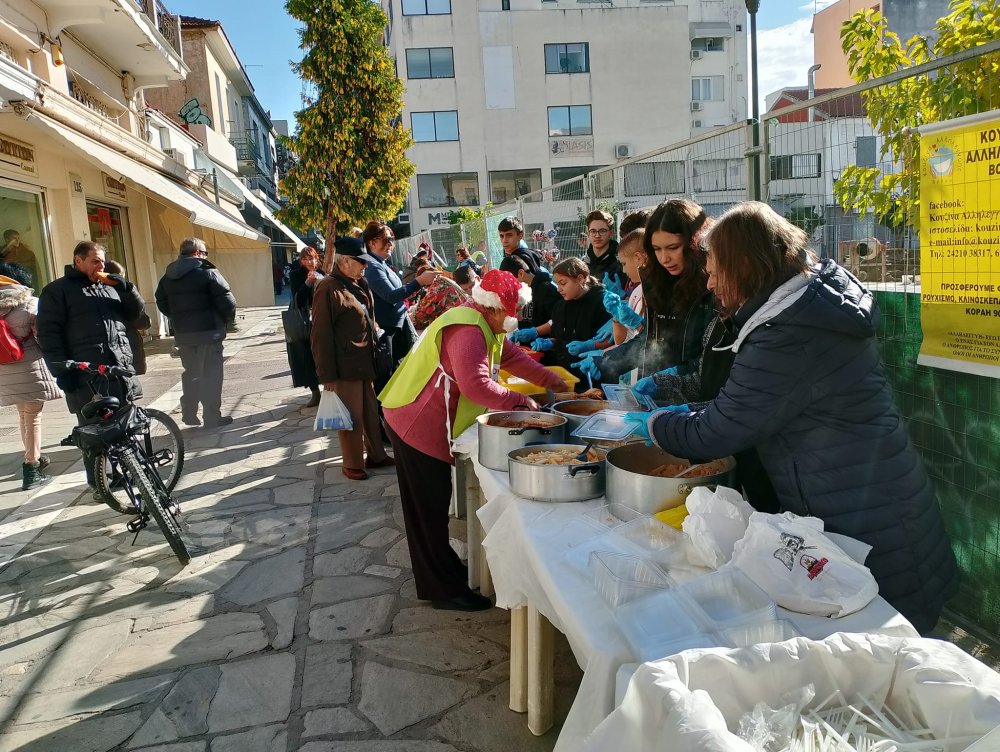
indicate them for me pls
(506, 97)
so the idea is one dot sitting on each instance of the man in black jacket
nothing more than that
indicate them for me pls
(196, 298)
(85, 316)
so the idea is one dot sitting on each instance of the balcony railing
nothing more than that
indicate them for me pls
(166, 23)
(260, 183)
(245, 143)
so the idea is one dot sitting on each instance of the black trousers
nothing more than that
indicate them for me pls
(425, 493)
(202, 380)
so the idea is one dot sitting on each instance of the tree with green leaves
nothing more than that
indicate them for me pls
(963, 88)
(350, 142)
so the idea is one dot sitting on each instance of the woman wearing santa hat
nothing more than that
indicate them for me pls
(447, 380)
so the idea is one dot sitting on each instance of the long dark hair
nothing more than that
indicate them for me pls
(663, 292)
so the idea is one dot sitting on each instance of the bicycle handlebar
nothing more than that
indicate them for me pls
(98, 369)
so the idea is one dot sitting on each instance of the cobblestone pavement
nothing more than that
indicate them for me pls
(295, 628)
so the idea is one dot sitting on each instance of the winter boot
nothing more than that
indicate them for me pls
(32, 477)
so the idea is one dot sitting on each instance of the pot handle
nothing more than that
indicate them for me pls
(683, 489)
(520, 431)
(591, 468)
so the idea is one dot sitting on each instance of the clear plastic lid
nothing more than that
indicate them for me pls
(607, 425)
(620, 396)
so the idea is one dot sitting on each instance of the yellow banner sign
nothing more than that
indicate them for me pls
(960, 244)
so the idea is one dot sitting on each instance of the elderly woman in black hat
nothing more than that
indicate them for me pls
(343, 345)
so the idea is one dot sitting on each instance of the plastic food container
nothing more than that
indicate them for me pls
(621, 578)
(755, 633)
(661, 625)
(651, 536)
(729, 597)
(607, 425)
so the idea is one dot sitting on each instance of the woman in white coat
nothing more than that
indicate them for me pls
(25, 383)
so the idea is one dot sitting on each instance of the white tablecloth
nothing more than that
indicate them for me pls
(537, 554)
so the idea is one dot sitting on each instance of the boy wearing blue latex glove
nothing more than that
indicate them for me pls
(542, 344)
(524, 336)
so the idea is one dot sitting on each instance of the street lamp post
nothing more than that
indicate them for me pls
(752, 8)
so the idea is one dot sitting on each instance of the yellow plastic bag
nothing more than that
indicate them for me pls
(673, 517)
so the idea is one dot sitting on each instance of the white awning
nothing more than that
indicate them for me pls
(198, 210)
(266, 213)
(711, 30)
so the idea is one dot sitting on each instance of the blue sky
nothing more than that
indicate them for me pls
(265, 39)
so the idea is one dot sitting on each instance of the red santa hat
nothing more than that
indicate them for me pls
(501, 290)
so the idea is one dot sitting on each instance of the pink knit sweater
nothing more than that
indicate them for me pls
(421, 424)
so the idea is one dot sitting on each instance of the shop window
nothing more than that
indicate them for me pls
(24, 239)
(105, 223)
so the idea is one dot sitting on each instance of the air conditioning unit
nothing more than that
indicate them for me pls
(696, 123)
(403, 218)
(696, 107)
(696, 54)
(624, 151)
(174, 154)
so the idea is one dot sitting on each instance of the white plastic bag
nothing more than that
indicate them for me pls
(793, 561)
(332, 414)
(715, 521)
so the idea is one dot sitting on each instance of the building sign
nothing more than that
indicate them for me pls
(960, 244)
(17, 156)
(76, 185)
(571, 146)
(113, 187)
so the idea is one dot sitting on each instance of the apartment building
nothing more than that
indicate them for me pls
(78, 157)
(216, 104)
(905, 18)
(506, 97)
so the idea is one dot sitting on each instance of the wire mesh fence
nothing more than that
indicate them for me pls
(954, 417)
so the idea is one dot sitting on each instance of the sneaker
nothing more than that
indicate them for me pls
(190, 420)
(43, 461)
(32, 477)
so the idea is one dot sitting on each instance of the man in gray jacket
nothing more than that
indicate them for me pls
(196, 299)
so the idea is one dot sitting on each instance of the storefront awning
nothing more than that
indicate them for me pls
(711, 30)
(266, 213)
(198, 210)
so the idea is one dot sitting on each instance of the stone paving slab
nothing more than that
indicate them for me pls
(295, 627)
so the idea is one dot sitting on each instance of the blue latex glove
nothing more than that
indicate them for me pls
(624, 314)
(645, 387)
(611, 301)
(638, 422)
(542, 344)
(606, 332)
(589, 366)
(524, 336)
(613, 285)
(580, 346)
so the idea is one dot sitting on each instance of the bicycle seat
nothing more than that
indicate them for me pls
(97, 407)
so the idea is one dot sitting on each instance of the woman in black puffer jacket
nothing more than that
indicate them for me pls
(807, 388)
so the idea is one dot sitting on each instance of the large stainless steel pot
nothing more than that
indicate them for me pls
(555, 482)
(577, 412)
(629, 484)
(496, 442)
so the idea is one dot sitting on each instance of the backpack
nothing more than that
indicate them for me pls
(11, 349)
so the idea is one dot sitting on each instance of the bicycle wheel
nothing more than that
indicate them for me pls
(155, 503)
(162, 443)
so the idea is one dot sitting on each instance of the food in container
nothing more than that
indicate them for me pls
(552, 481)
(500, 432)
(673, 469)
(630, 484)
(561, 457)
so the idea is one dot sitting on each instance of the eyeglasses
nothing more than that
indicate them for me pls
(605, 231)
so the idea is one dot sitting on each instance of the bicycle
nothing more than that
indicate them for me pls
(117, 437)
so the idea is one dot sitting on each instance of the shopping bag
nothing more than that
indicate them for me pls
(716, 520)
(803, 570)
(332, 414)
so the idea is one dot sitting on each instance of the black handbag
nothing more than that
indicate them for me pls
(383, 356)
(296, 323)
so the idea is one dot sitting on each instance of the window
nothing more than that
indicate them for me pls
(866, 151)
(570, 121)
(567, 58)
(795, 166)
(711, 88)
(604, 188)
(654, 178)
(25, 214)
(434, 126)
(506, 185)
(105, 225)
(504, 4)
(708, 44)
(448, 189)
(430, 62)
(426, 7)
(718, 174)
